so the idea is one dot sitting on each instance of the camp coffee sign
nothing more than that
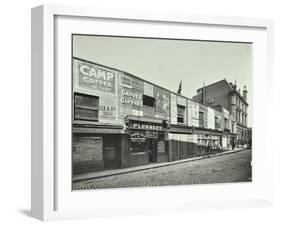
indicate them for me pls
(93, 77)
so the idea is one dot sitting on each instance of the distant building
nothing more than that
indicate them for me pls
(226, 95)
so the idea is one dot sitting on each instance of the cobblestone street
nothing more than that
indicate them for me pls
(235, 167)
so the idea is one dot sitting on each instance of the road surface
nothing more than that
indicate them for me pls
(235, 167)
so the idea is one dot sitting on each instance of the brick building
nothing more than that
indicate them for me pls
(225, 95)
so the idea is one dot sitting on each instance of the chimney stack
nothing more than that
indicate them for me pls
(203, 94)
(234, 86)
(245, 93)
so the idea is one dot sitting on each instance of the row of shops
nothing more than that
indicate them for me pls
(122, 121)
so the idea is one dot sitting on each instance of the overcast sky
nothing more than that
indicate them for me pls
(166, 62)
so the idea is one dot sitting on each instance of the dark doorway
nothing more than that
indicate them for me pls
(152, 149)
(112, 151)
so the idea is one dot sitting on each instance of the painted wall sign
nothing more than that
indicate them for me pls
(107, 108)
(138, 137)
(162, 99)
(87, 149)
(143, 125)
(93, 77)
(173, 109)
(130, 96)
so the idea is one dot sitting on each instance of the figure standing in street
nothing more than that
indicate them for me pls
(207, 153)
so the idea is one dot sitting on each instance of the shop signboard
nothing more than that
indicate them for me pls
(145, 125)
(94, 78)
(162, 108)
(87, 149)
(107, 108)
(138, 137)
(151, 134)
(173, 109)
(130, 96)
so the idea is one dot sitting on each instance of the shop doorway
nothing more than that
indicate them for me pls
(152, 149)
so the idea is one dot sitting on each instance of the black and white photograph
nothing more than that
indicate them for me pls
(160, 112)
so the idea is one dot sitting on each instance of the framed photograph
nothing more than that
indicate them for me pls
(137, 112)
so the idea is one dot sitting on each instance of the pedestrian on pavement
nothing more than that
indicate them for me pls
(233, 144)
(207, 153)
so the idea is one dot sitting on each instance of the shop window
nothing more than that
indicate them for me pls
(148, 105)
(138, 141)
(201, 119)
(86, 107)
(181, 113)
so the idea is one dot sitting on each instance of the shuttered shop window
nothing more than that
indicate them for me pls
(86, 107)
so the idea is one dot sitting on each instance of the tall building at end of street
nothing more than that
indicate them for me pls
(224, 94)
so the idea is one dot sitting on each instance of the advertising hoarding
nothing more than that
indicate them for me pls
(162, 99)
(107, 108)
(94, 78)
(130, 96)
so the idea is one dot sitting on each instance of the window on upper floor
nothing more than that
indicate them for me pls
(86, 107)
(148, 105)
(201, 119)
(180, 114)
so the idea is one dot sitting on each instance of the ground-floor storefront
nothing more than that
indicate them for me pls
(142, 141)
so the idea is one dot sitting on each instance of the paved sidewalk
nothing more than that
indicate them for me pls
(94, 175)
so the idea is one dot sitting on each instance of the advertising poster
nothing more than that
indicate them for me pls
(162, 108)
(130, 96)
(93, 77)
(211, 118)
(107, 108)
(87, 149)
(173, 109)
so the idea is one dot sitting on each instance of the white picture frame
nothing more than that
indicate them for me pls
(52, 198)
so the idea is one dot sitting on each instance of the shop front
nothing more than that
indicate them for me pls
(96, 149)
(147, 141)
